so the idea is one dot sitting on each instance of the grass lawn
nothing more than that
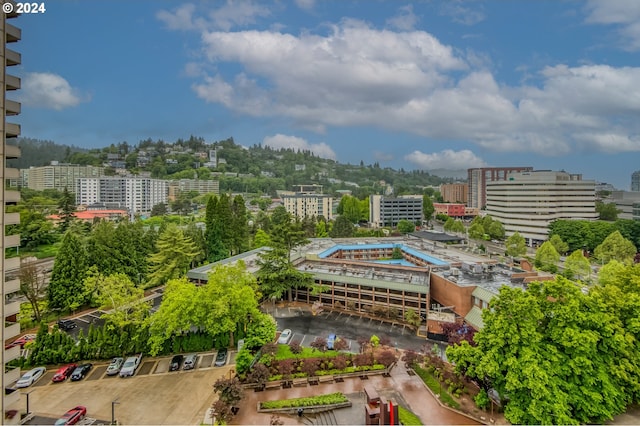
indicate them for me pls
(436, 387)
(284, 352)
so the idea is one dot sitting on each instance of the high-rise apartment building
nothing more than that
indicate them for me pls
(308, 205)
(527, 202)
(10, 287)
(201, 186)
(137, 194)
(57, 176)
(635, 181)
(477, 180)
(388, 211)
(455, 192)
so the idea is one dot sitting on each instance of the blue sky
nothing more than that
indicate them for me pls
(420, 85)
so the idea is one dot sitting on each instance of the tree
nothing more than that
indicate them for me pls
(229, 390)
(458, 227)
(120, 297)
(550, 351)
(476, 231)
(67, 208)
(495, 230)
(560, 246)
(32, 284)
(174, 253)
(615, 247)
(343, 228)
(277, 275)
(286, 233)
(66, 286)
(607, 211)
(35, 230)
(406, 226)
(261, 239)
(427, 208)
(577, 265)
(547, 258)
(239, 225)
(159, 210)
(214, 235)
(516, 245)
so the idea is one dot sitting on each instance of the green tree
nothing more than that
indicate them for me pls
(607, 211)
(285, 232)
(261, 239)
(239, 225)
(35, 230)
(321, 229)
(174, 253)
(549, 352)
(32, 284)
(349, 207)
(119, 297)
(342, 228)
(476, 231)
(214, 235)
(547, 258)
(427, 208)
(560, 246)
(496, 230)
(277, 276)
(615, 247)
(159, 210)
(516, 245)
(577, 265)
(458, 227)
(66, 286)
(261, 330)
(67, 208)
(406, 226)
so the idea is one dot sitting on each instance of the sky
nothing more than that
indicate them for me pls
(420, 85)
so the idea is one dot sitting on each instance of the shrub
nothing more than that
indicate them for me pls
(270, 349)
(295, 347)
(411, 358)
(259, 374)
(320, 343)
(332, 398)
(407, 417)
(385, 341)
(243, 361)
(340, 344)
(286, 367)
(310, 366)
(482, 399)
(363, 359)
(386, 358)
(340, 362)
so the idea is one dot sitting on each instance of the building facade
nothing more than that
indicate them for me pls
(624, 202)
(455, 210)
(477, 180)
(137, 194)
(635, 181)
(388, 211)
(455, 193)
(57, 176)
(10, 286)
(527, 202)
(200, 186)
(304, 205)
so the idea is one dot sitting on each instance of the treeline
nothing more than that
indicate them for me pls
(36, 152)
(583, 234)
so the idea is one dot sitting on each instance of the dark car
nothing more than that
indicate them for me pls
(221, 358)
(66, 325)
(63, 373)
(176, 362)
(72, 416)
(80, 372)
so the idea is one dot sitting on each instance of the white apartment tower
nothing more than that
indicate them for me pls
(10, 287)
(309, 205)
(527, 202)
(137, 194)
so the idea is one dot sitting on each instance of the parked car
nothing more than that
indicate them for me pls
(63, 373)
(284, 336)
(66, 324)
(190, 362)
(176, 362)
(330, 341)
(30, 377)
(81, 371)
(21, 341)
(115, 366)
(130, 366)
(72, 416)
(221, 358)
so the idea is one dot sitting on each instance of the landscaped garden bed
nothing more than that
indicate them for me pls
(327, 401)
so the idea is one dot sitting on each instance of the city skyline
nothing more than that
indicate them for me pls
(418, 85)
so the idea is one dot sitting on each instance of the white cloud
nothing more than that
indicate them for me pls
(357, 75)
(47, 90)
(462, 12)
(405, 20)
(447, 159)
(624, 13)
(305, 4)
(284, 141)
(233, 13)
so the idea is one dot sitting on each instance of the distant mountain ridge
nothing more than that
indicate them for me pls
(36, 152)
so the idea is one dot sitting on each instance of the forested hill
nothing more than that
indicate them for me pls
(35, 152)
(244, 169)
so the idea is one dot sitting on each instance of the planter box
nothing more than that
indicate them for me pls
(307, 409)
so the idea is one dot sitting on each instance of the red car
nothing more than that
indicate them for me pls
(63, 373)
(72, 416)
(21, 341)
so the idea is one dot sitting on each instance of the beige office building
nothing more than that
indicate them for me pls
(527, 202)
(58, 176)
(455, 192)
(10, 287)
(304, 205)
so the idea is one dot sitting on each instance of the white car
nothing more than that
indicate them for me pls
(284, 336)
(30, 377)
(130, 366)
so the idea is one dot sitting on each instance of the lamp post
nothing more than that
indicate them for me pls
(113, 411)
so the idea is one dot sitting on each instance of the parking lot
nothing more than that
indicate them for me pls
(153, 396)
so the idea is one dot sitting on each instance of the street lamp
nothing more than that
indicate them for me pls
(113, 411)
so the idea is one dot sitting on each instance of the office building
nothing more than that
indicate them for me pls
(457, 211)
(624, 202)
(137, 194)
(388, 211)
(477, 180)
(527, 202)
(187, 185)
(635, 181)
(57, 176)
(10, 286)
(304, 205)
(455, 193)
